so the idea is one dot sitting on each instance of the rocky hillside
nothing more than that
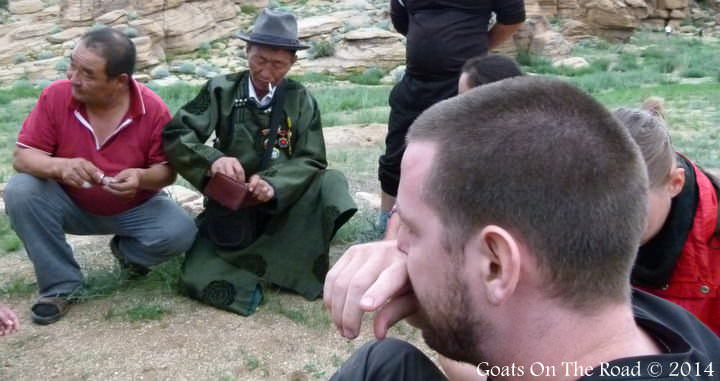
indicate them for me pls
(189, 39)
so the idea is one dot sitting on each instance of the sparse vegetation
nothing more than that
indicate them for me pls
(369, 76)
(323, 48)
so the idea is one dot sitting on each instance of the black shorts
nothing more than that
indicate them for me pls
(408, 99)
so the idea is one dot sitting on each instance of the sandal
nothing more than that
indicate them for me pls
(48, 310)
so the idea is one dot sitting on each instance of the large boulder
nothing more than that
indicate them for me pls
(536, 37)
(67, 34)
(608, 14)
(189, 28)
(323, 24)
(77, 12)
(146, 55)
(360, 49)
(31, 30)
(672, 4)
(118, 16)
(146, 7)
(22, 7)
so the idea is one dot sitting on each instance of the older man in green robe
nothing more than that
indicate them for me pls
(285, 239)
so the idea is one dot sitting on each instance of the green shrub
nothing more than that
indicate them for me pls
(370, 76)
(62, 65)
(132, 15)
(627, 62)
(131, 32)
(536, 64)
(652, 52)
(56, 29)
(159, 72)
(692, 72)
(19, 58)
(313, 77)
(248, 9)
(320, 49)
(97, 27)
(187, 68)
(4, 4)
(45, 54)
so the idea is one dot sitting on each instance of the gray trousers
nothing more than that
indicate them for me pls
(388, 360)
(41, 213)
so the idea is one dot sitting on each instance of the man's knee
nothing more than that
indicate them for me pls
(176, 237)
(21, 191)
(388, 359)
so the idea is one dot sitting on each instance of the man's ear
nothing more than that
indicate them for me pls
(677, 181)
(123, 79)
(498, 262)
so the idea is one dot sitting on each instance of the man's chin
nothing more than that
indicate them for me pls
(441, 344)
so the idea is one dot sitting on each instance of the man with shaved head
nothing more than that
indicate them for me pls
(520, 226)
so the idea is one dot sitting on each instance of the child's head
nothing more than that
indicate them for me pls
(647, 126)
(481, 70)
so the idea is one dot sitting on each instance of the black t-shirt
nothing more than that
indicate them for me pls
(443, 34)
(692, 349)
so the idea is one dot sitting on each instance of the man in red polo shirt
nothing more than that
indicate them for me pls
(91, 161)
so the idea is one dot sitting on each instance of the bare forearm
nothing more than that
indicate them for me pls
(156, 177)
(501, 33)
(36, 163)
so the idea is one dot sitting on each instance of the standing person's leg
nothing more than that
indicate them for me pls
(408, 99)
(153, 232)
(401, 117)
(388, 360)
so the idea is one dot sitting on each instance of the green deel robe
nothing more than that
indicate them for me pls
(295, 228)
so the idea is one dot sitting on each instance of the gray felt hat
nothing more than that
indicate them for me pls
(274, 28)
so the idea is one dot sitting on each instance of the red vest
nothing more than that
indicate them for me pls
(695, 282)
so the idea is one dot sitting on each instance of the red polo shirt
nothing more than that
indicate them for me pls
(58, 125)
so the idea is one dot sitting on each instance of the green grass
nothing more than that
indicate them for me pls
(17, 287)
(370, 76)
(308, 314)
(141, 312)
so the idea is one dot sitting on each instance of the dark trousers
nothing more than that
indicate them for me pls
(388, 360)
(408, 99)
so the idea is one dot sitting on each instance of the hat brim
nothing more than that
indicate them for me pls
(274, 43)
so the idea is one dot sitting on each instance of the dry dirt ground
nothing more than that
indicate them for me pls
(287, 339)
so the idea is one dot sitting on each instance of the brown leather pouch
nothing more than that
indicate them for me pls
(229, 193)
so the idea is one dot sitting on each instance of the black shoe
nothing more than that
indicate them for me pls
(134, 271)
(47, 310)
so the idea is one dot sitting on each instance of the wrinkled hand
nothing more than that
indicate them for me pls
(261, 189)
(78, 172)
(367, 278)
(9, 322)
(228, 166)
(125, 184)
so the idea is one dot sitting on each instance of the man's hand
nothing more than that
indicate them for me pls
(260, 188)
(9, 322)
(77, 172)
(367, 278)
(228, 166)
(126, 183)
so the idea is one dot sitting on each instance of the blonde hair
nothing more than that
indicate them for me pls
(647, 126)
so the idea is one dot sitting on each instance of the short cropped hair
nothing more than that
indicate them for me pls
(115, 47)
(647, 126)
(550, 164)
(490, 68)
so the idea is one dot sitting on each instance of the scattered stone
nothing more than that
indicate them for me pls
(572, 63)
